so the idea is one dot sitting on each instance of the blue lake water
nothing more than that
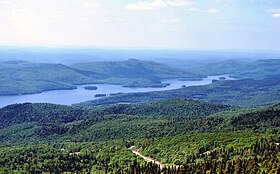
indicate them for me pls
(69, 97)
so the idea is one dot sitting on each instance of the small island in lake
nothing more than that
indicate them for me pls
(114, 94)
(100, 95)
(90, 87)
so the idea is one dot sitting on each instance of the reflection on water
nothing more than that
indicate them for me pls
(68, 97)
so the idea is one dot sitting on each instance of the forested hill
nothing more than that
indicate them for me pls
(20, 77)
(27, 121)
(69, 139)
(133, 68)
(168, 108)
(257, 69)
(244, 93)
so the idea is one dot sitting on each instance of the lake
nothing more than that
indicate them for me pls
(69, 97)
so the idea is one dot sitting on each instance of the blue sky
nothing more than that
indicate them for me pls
(179, 24)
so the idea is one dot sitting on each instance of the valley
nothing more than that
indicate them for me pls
(155, 118)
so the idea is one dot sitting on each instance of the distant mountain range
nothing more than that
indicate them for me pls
(20, 77)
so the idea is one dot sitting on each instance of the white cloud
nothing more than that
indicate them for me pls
(276, 15)
(277, 10)
(145, 5)
(212, 10)
(91, 5)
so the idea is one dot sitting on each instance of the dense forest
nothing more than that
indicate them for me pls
(38, 122)
(186, 136)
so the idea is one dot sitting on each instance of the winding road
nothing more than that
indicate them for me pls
(148, 159)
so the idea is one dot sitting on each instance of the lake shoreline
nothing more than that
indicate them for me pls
(79, 94)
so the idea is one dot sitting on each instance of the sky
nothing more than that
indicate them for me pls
(172, 24)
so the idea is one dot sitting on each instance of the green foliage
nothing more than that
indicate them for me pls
(169, 108)
(66, 157)
(32, 123)
(194, 153)
(261, 157)
(191, 136)
(64, 122)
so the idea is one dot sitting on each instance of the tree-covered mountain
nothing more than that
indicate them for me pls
(20, 77)
(136, 73)
(133, 68)
(22, 122)
(257, 69)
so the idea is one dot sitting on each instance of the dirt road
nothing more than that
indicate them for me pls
(148, 159)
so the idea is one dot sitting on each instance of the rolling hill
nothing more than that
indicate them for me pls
(20, 77)
(257, 69)
(136, 73)
(25, 122)
(133, 68)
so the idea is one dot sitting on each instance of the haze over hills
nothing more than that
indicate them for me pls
(256, 69)
(134, 68)
(20, 77)
(71, 55)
